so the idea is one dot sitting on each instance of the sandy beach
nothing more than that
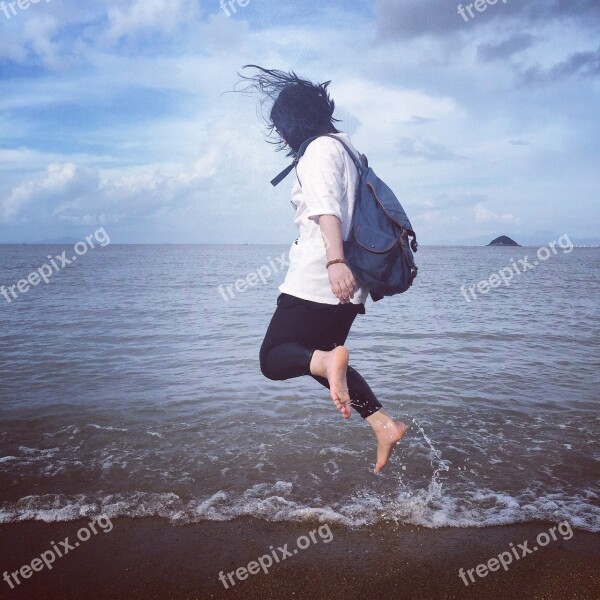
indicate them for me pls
(152, 559)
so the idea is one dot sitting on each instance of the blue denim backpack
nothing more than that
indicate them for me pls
(378, 249)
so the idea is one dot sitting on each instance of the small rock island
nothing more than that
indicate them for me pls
(503, 240)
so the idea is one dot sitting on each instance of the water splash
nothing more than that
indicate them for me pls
(434, 491)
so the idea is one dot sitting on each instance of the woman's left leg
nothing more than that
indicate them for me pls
(292, 336)
(301, 327)
(362, 398)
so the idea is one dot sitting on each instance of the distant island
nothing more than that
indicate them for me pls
(503, 240)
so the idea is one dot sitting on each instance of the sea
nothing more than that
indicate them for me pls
(130, 386)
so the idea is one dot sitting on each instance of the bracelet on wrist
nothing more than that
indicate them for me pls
(334, 262)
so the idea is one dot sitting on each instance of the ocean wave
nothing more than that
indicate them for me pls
(274, 502)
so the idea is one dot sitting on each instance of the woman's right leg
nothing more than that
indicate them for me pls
(388, 432)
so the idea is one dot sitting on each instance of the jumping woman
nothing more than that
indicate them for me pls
(320, 297)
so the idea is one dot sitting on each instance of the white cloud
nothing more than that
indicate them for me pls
(484, 215)
(383, 110)
(74, 193)
(155, 15)
(113, 110)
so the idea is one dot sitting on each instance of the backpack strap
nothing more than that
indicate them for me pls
(277, 180)
(359, 165)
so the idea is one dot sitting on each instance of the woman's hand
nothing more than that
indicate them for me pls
(341, 279)
(342, 282)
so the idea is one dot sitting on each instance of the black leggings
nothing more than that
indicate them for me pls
(297, 329)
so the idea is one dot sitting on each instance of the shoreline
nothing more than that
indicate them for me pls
(152, 559)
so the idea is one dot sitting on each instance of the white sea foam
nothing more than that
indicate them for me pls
(37, 452)
(339, 451)
(8, 458)
(109, 428)
(427, 508)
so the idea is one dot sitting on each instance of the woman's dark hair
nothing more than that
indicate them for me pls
(301, 109)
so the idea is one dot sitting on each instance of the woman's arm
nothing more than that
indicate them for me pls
(340, 277)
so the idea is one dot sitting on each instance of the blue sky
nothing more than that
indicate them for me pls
(112, 114)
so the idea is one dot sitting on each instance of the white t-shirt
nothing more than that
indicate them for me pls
(329, 179)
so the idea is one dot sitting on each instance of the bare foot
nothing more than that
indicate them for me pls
(345, 409)
(336, 375)
(333, 365)
(388, 433)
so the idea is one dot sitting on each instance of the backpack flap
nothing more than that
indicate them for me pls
(374, 240)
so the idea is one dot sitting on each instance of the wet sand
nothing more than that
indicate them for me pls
(152, 559)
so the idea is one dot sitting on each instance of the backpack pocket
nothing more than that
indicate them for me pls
(380, 260)
(374, 240)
